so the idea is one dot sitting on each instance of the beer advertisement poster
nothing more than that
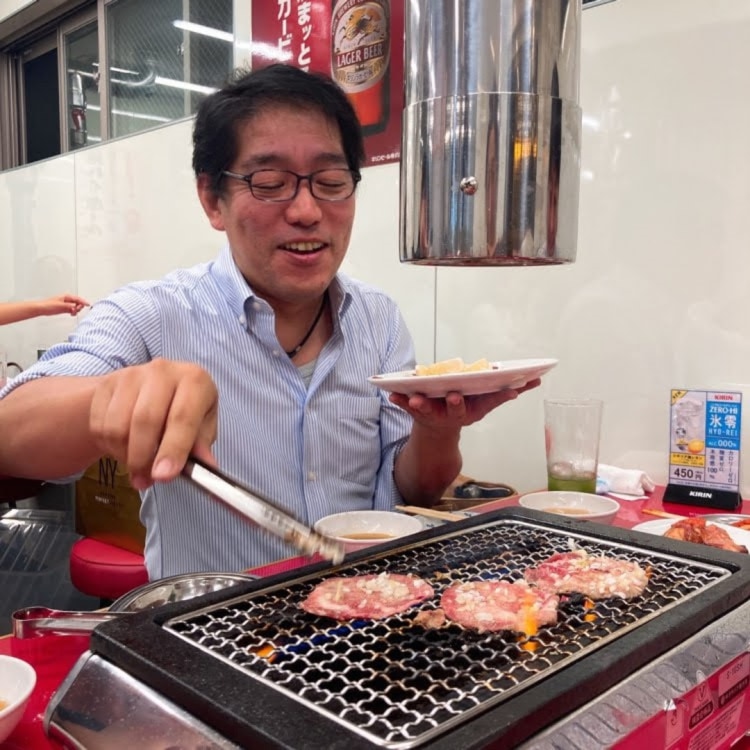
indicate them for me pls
(704, 450)
(359, 43)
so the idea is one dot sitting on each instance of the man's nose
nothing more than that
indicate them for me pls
(304, 207)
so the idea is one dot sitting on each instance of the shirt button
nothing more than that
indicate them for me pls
(311, 476)
(242, 320)
(276, 353)
(256, 305)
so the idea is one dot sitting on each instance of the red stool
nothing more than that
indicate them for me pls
(105, 571)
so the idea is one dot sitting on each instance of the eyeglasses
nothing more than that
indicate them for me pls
(279, 185)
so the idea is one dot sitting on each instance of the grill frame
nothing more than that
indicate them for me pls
(246, 711)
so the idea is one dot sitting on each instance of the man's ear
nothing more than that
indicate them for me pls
(210, 201)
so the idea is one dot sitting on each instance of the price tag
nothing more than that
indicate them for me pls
(704, 451)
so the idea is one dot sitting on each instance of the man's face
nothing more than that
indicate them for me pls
(289, 251)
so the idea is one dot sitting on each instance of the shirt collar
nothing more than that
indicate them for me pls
(239, 293)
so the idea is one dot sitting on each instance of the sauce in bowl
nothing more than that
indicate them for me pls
(567, 511)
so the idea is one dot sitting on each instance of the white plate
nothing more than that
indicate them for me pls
(513, 373)
(660, 525)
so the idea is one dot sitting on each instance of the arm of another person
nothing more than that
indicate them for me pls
(13, 312)
(431, 458)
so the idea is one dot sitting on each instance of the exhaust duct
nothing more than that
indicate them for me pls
(491, 132)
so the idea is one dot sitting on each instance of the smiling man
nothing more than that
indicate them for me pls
(257, 361)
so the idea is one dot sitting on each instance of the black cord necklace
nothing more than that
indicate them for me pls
(294, 352)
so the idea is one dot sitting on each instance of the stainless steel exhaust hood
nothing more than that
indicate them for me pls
(490, 157)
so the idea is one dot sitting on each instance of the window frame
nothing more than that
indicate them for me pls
(42, 45)
(52, 28)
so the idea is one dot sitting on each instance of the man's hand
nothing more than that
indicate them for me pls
(455, 410)
(151, 417)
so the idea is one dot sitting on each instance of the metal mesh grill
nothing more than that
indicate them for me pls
(398, 684)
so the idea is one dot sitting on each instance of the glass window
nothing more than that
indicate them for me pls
(40, 97)
(82, 83)
(164, 58)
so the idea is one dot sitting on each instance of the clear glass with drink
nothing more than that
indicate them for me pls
(571, 435)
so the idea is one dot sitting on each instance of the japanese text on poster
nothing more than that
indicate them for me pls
(705, 431)
(358, 42)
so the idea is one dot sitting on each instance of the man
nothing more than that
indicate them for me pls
(258, 360)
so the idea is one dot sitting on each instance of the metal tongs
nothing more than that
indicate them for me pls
(33, 621)
(261, 511)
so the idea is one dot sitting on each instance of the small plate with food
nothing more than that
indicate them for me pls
(700, 531)
(482, 376)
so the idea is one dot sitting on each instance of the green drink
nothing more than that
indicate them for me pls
(562, 477)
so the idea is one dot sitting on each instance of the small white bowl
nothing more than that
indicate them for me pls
(357, 529)
(580, 505)
(17, 680)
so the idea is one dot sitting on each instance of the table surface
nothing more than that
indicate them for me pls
(54, 656)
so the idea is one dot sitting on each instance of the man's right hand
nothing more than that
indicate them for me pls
(152, 417)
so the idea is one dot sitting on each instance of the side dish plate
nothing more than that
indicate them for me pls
(659, 527)
(509, 374)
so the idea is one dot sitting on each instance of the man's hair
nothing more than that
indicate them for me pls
(219, 116)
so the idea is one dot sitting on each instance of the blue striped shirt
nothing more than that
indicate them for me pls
(314, 450)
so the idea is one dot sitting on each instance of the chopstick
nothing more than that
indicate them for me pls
(429, 513)
(661, 513)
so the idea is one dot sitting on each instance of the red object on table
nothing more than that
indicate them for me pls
(54, 656)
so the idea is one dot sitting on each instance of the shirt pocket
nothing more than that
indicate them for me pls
(357, 439)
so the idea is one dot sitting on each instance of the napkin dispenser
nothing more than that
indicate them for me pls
(491, 132)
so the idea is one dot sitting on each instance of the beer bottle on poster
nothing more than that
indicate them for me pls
(360, 58)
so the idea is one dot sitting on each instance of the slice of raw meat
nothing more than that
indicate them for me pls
(367, 596)
(595, 576)
(499, 605)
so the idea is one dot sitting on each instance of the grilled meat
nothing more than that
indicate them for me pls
(696, 530)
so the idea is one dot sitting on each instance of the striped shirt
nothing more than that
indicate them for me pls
(318, 449)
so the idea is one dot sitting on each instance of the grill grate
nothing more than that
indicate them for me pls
(397, 684)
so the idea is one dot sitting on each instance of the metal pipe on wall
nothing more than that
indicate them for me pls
(491, 132)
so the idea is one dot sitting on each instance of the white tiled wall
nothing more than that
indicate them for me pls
(37, 249)
(137, 211)
(656, 299)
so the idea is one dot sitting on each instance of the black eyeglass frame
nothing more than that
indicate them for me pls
(247, 179)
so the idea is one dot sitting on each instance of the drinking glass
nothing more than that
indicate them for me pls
(571, 435)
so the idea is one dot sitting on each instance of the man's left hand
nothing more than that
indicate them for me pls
(456, 410)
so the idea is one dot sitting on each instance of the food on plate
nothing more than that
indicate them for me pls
(743, 523)
(595, 576)
(488, 606)
(370, 596)
(452, 366)
(697, 530)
